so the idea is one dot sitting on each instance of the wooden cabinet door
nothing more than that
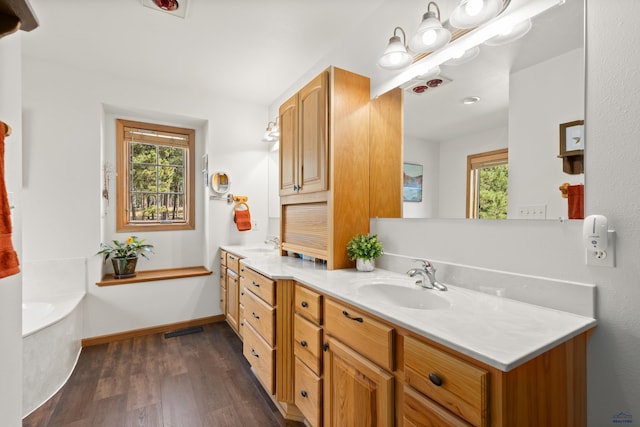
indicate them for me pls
(232, 300)
(289, 146)
(223, 290)
(314, 124)
(357, 393)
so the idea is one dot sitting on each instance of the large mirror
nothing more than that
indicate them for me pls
(526, 90)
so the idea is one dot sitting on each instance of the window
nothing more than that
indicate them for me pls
(487, 176)
(155, 181)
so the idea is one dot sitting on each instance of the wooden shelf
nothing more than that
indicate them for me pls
(154, 275)
(16, 12)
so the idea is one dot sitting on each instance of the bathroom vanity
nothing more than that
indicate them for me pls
(346, 348)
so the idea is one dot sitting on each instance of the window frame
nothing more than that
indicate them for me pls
(123, 179)
(475, 162)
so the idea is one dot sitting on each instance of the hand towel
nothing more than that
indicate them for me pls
(576, 201)
(242, 217)
(9, 264)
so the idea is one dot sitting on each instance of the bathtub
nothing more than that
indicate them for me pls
(51, 341)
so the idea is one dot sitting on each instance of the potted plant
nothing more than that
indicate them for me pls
(124, 255)
(364, 249)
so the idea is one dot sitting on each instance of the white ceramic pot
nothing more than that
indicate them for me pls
(365, 264)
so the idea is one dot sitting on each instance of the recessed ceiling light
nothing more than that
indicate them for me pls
(471, 100)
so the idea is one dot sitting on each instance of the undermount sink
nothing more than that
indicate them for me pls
(262, 250)
(417, 298)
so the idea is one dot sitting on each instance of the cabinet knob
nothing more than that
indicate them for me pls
(303, 393)
(303, 343)
(325, 346)
(304, 304)
(435, 379)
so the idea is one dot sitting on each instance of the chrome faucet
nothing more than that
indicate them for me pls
(273, 240)
(428, 273)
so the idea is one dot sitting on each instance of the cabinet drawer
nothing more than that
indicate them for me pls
(308, 393)
(261, 316)
(223, 257)
(260, 285)
(456, 384)
(308, 343)
(233, 262)
(309, 304)
(418, 410)
(360, 332)
(261, 357)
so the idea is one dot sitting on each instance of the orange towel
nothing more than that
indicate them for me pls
(9, 264)
(576, 201)
(242, 217)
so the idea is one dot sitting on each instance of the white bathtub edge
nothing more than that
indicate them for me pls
(59, 388)
(63, 306)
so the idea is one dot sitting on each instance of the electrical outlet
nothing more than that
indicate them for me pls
(254, 226)
(532, 212)
(603, 258)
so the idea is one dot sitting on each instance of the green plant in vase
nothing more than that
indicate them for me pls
(364, 249)
(124, 255)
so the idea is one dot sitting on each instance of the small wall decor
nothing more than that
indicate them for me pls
(411, 182)
(572, 147)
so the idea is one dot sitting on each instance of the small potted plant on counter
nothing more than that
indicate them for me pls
(364, 249)
(124, 255)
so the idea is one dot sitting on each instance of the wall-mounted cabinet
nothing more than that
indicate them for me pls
(325, 166)
(303, 139)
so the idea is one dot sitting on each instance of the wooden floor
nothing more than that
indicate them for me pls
(192, 380)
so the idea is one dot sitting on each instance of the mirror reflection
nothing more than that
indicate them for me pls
(487, 138)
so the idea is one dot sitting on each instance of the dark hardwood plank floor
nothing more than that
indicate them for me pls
(193, 380)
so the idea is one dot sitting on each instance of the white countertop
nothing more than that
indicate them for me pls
(498, 331)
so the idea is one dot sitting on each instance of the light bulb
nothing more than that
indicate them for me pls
(474, 7)
(429, 37)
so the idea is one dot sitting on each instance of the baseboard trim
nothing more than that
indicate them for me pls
(105, 339)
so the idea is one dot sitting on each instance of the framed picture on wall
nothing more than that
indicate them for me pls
(572, 138)
(411, 182)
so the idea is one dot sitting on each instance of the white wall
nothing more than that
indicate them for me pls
(427, 154)
(540, 98)
(69, 129)
(554, 249)
(11, 287)
(453, 167)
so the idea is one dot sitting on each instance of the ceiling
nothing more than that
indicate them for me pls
(254, 49)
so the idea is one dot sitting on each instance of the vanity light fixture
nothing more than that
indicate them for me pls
(395, 56)
(511, 33)
(272, 133)
(431, 35)
(472, 13)
(471, 39)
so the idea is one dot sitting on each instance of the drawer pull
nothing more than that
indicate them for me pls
(435, 379)
(357, 319)
(304, 304)
(303, 393)
(253, 353)
(303, 343)
(257, 285)
(254, 315)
